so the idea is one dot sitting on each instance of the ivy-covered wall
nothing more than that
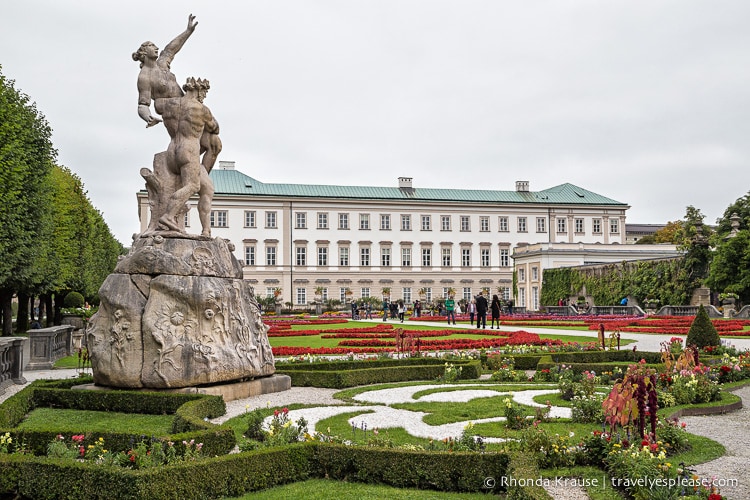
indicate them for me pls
(667, 280)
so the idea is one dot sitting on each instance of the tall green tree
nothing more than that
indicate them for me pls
(741, 207)
(26, 157)
(83, 248)
(693, 238)
(730, 268)
(667, 234)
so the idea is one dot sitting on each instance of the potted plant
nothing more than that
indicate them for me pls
(728, 298)
(651, 303)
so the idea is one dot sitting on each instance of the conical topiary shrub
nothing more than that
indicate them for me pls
(702, 332)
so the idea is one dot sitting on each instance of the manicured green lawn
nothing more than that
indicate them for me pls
(69, 362)
(91, 422)
(322, 489)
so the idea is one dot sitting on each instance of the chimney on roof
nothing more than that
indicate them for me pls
(226, 165)
(522, 186)
(404, 182)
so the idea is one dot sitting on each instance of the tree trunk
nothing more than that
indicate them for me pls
(48, 309)
(57, 317)
(7, 311)
(22, 318)
(42, 310)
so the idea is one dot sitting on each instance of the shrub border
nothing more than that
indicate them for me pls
(341, 375)
(236, 474)
(190, 412)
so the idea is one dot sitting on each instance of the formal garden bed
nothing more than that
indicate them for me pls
(539, 412)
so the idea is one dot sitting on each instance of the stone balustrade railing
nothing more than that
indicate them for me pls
(688, 311)
(47, 345)
(617, 310)
(11, 361)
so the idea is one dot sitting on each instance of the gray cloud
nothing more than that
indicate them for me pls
(643, 102)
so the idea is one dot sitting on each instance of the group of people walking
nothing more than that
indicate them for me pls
(361, 310)
(477, 308)
(395, 309)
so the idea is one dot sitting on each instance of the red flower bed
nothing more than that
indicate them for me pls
(670, 325)
(365, 329)
(298, 351)
(285, 321)
(279, 328)
(425, 333)
(515, 338)
(290, 333)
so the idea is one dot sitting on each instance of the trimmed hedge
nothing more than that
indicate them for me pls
(339, 377)
(16, 407)
(547, 362)
(148, 403)
(605, 356)
(190, 410)
(363, 364)
(520, 361)
(441, 471)
(236, 474)
(540, 361)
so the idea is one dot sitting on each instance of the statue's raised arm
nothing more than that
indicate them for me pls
(156, 80)
(175, 45)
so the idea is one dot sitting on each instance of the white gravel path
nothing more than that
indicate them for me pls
(733, 431)
(301, 395)
(377, 414)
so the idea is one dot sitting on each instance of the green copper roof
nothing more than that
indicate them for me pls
(234, 182)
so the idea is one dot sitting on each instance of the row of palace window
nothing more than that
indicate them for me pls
(365, 257)
(521, 274)
(346, 294)
(220, 218)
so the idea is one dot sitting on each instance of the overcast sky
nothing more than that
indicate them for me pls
(645, 102)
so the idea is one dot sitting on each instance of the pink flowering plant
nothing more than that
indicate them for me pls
(280, 430)
(141, 455)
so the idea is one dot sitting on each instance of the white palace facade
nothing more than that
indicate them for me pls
(355, 241)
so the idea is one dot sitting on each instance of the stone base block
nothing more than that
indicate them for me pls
(229, 391)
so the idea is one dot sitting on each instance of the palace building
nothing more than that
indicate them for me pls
(416, 242)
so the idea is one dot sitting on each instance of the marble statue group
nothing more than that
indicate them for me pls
(176, 312)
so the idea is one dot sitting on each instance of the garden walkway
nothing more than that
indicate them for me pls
(644, 342)
(733, 431)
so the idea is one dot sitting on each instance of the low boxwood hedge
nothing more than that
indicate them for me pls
(364, 364)
(350, 374)
(190, 412)
(548, 362)
(236, 474)
(581, 361)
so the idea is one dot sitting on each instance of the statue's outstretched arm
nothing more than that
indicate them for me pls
(175, 45)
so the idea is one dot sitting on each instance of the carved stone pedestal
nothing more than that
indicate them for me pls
(176, 313)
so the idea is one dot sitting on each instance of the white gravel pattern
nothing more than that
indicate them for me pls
(382, 416)
(733, 431)
(301, 395)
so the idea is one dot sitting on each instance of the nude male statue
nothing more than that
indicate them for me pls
(157, 82)
(187, 119)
